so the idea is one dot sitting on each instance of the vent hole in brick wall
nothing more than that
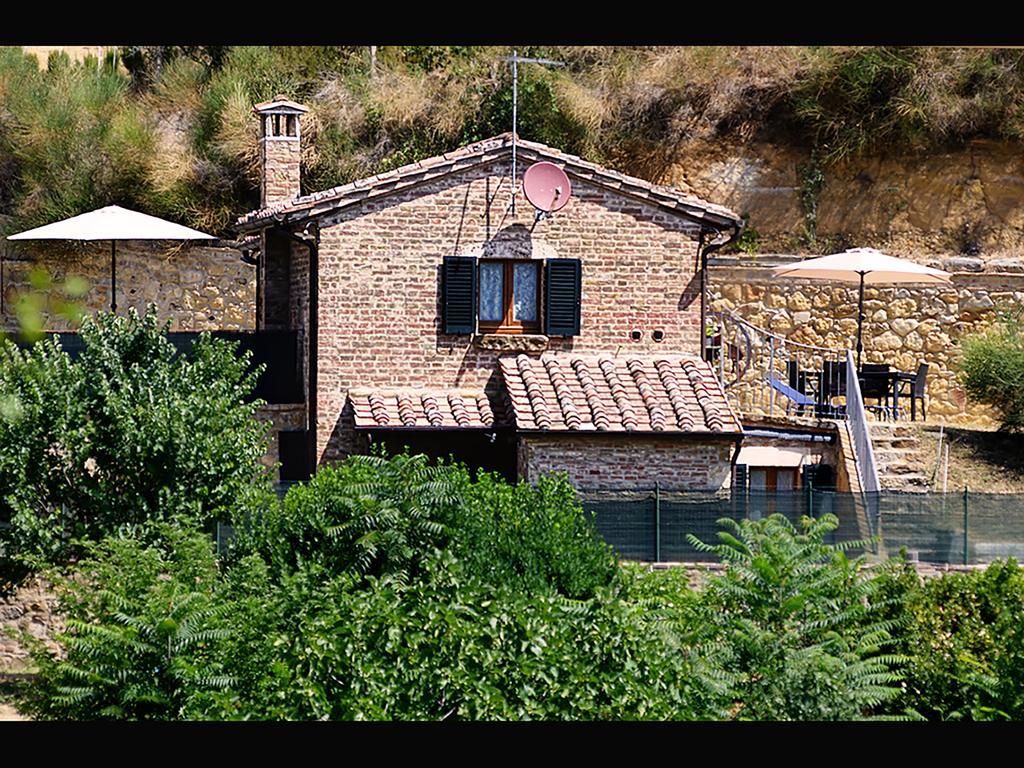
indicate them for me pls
(636, 334)
(658, 335)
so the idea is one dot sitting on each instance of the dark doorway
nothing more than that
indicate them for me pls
(490, 451)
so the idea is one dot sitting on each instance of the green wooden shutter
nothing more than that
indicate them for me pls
(458, 294)
(562, 282)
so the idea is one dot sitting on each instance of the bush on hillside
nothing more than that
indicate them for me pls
(380, 517)
(142, 620)
(992, 370)
(963, 637)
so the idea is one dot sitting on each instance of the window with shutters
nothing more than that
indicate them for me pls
(509, 296)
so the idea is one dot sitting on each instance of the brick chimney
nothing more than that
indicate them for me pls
(279, 149)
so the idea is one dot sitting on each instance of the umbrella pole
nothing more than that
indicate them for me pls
(114, 276)
(860, 320)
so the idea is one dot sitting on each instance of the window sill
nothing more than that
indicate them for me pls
(511, 342)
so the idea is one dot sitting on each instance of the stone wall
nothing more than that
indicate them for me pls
(195, 287)
(903, 326)
(31, 609)
(379, 297)
(609, 463)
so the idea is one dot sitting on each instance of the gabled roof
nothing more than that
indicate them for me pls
(668, 393)
(280, 104)
(483, 152)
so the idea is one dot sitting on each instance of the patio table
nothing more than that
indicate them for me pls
(893, 380)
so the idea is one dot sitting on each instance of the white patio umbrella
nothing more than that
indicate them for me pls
(864, 266)
(112, 223)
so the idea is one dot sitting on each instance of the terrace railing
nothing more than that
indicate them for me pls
(746, 355)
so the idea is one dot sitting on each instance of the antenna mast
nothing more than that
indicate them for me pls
(515, 59)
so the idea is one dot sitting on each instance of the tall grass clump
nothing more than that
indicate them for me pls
(77, 139)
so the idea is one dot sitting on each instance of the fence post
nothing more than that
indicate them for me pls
(965, 525)
(657, 521)
(810, 497)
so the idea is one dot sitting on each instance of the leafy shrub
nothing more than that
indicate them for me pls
(446, 646)
(992, 370)
(961, 634)
(129, 431)
(141, 624)
(799, 624)
(379, 516)
(367, 515)
(535, 538)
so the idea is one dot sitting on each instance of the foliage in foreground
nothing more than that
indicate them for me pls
(383, 614)
(963, 635)
(129, 432)
(141, 619)
(381, 517)
(992, 370)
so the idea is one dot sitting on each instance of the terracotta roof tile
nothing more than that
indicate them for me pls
(442, 408)
(656, 393)
(487, 150)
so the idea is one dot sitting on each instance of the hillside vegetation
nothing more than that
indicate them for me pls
(169, 129)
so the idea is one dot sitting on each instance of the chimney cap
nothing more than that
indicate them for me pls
(280, 105)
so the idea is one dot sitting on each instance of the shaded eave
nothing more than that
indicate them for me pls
(708, 215)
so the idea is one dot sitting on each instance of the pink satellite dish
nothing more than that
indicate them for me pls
(546, 187)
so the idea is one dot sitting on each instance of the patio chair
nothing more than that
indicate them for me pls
(917, 390)
(876, 385)
(833, 379)
(802, 401)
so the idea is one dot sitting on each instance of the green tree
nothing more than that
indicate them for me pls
(798, 623)
(129, 431)
(962, 636)
(141, 626)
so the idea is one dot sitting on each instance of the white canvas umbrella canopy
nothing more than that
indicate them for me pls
(112, 223)
(864, 266)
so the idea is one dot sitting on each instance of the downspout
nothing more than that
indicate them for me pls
(312, 242)
(703, 250)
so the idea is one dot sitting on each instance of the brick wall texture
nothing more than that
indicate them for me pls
(280, 162)
(379, 297)
(595, 463)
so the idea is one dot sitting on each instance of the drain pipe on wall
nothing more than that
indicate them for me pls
(703, 251)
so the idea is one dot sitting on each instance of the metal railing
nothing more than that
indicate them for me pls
(745, 355)
(857, 419)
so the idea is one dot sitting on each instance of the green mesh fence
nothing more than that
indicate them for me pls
(951, 528)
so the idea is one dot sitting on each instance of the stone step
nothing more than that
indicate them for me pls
(900, 469)
(880, 430)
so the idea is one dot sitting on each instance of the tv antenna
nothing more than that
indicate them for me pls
(515, 58)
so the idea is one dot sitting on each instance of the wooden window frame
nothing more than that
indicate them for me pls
(508, 324)
(772, 477)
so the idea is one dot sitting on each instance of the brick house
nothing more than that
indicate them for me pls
(434, 311)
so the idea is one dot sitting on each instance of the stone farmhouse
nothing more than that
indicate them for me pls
(431, 310)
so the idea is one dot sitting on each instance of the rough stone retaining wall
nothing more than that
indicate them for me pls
(196, 287)
(30, 609)
(903, 326)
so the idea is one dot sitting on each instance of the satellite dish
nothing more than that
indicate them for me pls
(546, 187)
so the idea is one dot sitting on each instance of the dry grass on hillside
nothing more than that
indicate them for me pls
(986, 461)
